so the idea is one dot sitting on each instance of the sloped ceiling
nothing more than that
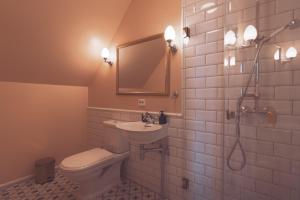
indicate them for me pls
(49, 41)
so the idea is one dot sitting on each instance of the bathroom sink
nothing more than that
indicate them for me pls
(143, 133)
(138, 126)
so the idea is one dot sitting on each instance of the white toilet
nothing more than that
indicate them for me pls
(98, 169)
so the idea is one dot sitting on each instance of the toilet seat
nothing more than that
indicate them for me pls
(86, 159)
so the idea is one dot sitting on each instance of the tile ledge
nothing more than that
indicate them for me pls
(135, 111)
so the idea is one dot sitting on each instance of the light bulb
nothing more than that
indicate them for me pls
(291, 53)
(277, 54)
(170, 33)
(250, 33)
(105, 53)
(230, 38)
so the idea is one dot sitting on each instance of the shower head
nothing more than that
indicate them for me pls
(293, 24)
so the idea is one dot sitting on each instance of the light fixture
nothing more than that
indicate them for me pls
(250, 33)
(186, 35)
(170, 36)
(230, 38)
(106, 55)
(291, 53)
(277, 54)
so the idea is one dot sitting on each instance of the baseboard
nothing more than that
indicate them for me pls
(16, 181)
(19, 180)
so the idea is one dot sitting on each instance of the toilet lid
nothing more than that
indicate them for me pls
(85, 159)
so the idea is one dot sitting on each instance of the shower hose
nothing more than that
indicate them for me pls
(240, 100)
(293, 24)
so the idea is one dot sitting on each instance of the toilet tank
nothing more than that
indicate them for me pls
(113, 139)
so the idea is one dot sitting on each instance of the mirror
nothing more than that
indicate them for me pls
(143, 67)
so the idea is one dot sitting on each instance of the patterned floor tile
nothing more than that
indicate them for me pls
(136, 196)
(149, 196)
(63, 189)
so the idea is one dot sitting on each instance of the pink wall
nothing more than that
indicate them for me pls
(49, 41)
(39, 120)
(143, 18)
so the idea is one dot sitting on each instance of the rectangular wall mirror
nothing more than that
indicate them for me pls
(143, 67)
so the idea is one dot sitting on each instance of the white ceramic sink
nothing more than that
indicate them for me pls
(143, 133)
(138, 126)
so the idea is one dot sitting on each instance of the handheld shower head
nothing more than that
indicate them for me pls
(295, 23)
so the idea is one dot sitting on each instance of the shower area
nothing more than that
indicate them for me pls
(261, 135)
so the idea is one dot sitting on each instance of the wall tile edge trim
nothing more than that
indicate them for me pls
(135, 111)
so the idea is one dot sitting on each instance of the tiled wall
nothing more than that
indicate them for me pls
(146, 172)
(272, 150)
(196, 140)
(193, 154)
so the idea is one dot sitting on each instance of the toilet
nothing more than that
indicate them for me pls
(98, 169)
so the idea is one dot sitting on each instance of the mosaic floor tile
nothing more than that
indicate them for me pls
(63, 189)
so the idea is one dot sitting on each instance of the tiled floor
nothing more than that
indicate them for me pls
(63, 189)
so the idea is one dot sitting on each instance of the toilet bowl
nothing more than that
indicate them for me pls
(95, 170)
(98, 169)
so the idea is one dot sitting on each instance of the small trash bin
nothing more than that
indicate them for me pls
(44, 170)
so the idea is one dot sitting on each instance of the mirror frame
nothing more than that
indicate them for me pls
(166, 91)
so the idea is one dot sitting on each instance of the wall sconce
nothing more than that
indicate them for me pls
(277, 54)
(230, 38)
(290, 54)
(106, 55)
(250, 34)
(170, 36)
(186, 35)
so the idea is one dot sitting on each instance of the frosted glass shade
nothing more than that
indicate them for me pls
(105, 53)
(277, 55)
(250, 33)
(230, 38)
(169, 33)
(291, 53)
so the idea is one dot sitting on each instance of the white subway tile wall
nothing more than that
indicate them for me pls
(272, 150)
(200, 141)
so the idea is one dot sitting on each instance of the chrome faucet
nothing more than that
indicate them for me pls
(147, 118)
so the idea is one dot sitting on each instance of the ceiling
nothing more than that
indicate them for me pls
(54, 41)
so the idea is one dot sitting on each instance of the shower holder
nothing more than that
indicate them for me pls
(246, 109)
(269, 113)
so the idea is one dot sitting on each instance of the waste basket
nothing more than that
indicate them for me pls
(44, 170)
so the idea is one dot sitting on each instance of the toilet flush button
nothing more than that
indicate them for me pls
(141, 102)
